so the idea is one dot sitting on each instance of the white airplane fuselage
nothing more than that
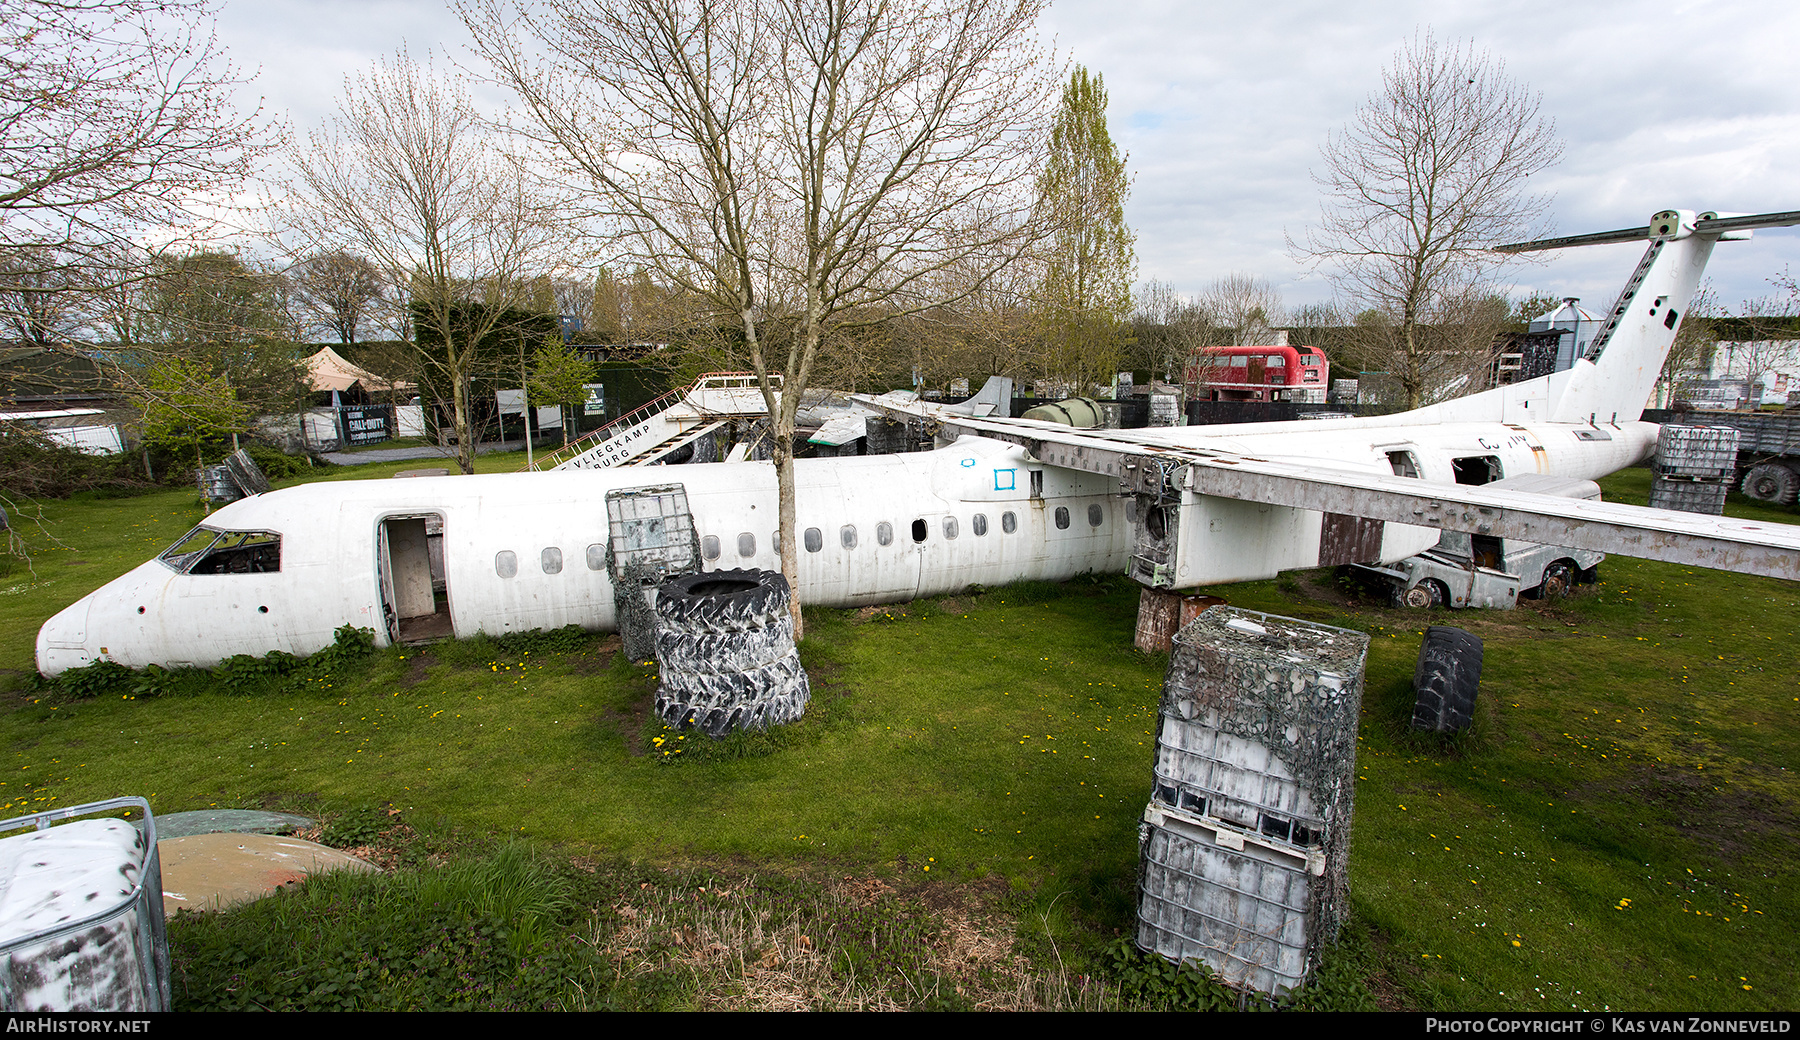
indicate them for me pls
(529, 551)
(333, 536)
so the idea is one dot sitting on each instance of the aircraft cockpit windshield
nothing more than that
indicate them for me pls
(207, 551)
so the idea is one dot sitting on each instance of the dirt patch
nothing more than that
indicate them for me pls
(752, 951)
(630, 723)
(417, 665)
(1732, 818)
(600, 658)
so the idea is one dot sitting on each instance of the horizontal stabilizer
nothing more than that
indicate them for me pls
(1705, 225)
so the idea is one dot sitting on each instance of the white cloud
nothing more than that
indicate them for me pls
(1222, 108)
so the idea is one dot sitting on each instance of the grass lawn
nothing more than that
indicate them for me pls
(1616, 831)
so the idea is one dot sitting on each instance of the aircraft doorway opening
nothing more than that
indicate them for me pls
(415, 598)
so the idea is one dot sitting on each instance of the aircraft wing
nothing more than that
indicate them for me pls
(1146, 465)
(1719, 542)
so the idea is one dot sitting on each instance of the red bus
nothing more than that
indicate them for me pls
(1269, 373)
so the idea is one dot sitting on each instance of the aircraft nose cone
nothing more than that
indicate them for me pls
(62, 642)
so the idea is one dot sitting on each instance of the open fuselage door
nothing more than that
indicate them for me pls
(415, 597)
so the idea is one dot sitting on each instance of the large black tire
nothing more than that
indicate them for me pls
(1446, 680)
(710, 653)
(723, 601)
(716, 703)
(1772, 482)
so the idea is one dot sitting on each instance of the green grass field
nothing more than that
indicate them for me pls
(1617, 830)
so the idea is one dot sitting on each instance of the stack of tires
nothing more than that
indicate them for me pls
(725, 647)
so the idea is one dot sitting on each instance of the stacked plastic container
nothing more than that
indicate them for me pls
(1244, 848)
(1694, 468)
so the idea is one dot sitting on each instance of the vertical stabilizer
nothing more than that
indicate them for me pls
(1614, 381)
(995, 398)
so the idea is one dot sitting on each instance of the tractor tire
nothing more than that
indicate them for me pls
(1446, 680)
(710, 653)
(723, 601)
(716, 703)
(1773, 483)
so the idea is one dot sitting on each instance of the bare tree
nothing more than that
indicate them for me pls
(1170, 327)
(115, 116)
(804, 166)
(409, 176)
(340, 290)
(1246, 308)
(1772, 346)
(1434, 168)
(41, 300)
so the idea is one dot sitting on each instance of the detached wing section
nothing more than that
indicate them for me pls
(1718, 542)
(1206, 516)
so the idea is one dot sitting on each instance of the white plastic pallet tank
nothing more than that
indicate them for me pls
(81, 917)
(1245, 845)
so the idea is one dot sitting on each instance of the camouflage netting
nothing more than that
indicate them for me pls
(1257, 736)
(632, 610)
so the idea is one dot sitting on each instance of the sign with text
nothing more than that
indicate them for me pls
(370, 425)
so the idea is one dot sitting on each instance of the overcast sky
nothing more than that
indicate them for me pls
(1222, 108)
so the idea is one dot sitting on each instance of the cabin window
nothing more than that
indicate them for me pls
(979, 524)
(709, 547)
(506, 563)
(1096, 515)
(884, 533)
(949, 527)
(775, 542)
(551, 560)
(1403, 464)
(1008, 522)
(226, 552)
(1477, 469)
(919, 530)
(814, 539)
(847, 536)
(596, 557)
(746, 544)
(1062, 518)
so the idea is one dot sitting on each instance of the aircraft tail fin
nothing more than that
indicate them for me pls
(1613, 380)
(995, 398)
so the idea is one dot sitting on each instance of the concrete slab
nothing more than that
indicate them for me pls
(212, 871)
(238, 821)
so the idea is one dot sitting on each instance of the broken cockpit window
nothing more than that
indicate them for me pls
(207, 551)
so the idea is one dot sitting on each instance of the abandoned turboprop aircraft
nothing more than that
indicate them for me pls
(1001, 501)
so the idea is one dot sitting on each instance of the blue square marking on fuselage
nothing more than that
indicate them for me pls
(1006, 479)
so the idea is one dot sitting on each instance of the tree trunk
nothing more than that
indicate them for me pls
(459, 404)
